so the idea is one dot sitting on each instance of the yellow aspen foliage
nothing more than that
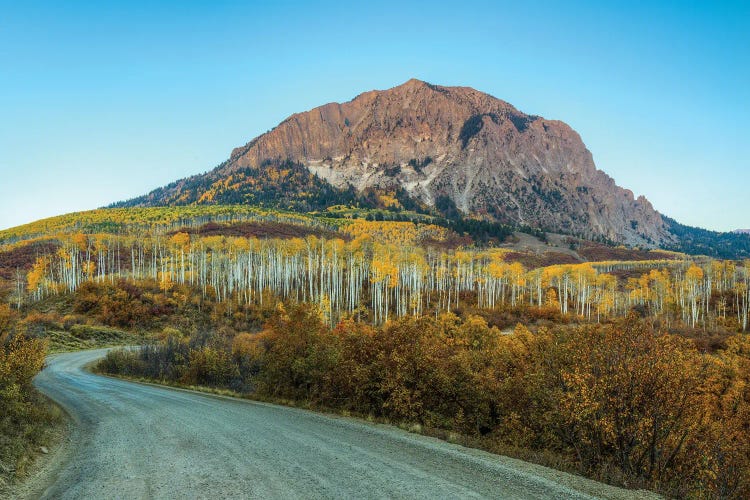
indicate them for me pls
(181, 240)
(551, 299)
(36, 275)
(89, 268)
(165, 281)
(80, 240)
(694, 273)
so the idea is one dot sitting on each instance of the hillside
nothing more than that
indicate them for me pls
(451, 149)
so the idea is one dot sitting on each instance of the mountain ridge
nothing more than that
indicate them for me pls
(447, 148)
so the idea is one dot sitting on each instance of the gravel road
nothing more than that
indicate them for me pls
(141, 441)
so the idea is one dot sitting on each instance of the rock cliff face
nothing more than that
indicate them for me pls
(444, 144)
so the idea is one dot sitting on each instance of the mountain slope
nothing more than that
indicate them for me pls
(444, 146)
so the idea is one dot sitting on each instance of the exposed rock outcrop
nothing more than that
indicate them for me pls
(490, 159)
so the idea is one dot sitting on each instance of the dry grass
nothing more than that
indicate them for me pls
(21, 439)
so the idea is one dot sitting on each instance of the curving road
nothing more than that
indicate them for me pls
(142, 441)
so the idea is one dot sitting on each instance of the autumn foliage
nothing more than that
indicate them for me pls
(23, 418)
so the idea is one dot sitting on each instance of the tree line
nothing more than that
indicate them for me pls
(386, 279)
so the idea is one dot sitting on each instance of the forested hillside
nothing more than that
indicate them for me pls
(697, 241)
(285, 185)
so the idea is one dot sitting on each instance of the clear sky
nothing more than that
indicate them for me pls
(103, 101)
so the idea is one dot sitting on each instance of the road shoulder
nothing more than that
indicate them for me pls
(573, 481)
(43, 472)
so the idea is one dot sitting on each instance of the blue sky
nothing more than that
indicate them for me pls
(102, 101)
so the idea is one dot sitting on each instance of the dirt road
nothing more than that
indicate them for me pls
(141, 441)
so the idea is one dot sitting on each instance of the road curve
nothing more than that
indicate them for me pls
(141, 441)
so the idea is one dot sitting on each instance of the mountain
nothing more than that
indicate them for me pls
(452, 149)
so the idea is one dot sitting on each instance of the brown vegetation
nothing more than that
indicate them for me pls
(25, 418)
(595, 252)
(534, 260)
(22, 257)
(259, 229)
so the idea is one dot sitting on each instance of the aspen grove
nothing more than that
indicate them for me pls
(378, 281)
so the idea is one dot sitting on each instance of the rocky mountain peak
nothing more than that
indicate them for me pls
(461, 147)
